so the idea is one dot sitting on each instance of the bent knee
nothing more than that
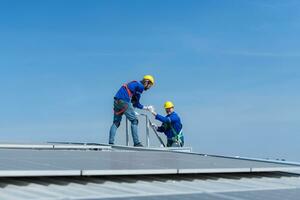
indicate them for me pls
(117, 123)
(135, 122)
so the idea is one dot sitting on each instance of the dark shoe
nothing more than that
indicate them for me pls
(111, 143)
(138, 145)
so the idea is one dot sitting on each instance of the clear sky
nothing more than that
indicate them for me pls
(231, 67)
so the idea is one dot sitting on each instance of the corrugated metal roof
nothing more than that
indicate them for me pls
(239, 186)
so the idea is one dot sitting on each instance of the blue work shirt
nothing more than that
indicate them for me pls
(136, 88)
(171, 119)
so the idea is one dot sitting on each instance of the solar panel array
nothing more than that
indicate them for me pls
(62, 162)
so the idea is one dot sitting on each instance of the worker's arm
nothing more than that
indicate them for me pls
(163, 119)
(137, 103)
(161, 129)
(137, 96)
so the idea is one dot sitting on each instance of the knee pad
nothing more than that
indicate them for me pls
(135, 122)
(117, 124)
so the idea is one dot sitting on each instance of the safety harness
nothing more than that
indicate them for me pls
(128, 90)
(125, 106)
(177, 136)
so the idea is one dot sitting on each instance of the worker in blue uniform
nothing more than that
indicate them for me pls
(126, 99)
(171, 125)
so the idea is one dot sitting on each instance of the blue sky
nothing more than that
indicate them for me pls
(231, 67)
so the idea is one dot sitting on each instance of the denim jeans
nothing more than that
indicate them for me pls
(120, 105)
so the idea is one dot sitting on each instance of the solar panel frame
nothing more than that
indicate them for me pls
(59, 162)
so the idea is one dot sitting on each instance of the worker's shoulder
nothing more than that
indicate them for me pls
(135, 83)
(174, 116)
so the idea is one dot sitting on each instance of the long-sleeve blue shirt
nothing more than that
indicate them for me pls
(171, 119)
(136, 88)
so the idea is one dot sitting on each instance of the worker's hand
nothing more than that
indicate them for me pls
(136, 113)
(151, 109)
(154, 126)
(148, 108)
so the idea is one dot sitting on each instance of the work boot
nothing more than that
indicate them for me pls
(138, 145)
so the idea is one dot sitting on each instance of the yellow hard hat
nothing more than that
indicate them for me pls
(169, 104)
(149, 78)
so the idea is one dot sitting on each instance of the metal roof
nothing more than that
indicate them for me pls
(236, 186)
(102, 160)
(71, 171)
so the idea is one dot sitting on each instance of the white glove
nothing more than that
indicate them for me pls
(154, 126)
(149, 108)
(136, 113)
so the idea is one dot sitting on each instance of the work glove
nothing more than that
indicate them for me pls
(152, 109)
(136, 113)
(149, 108)
(154, 126)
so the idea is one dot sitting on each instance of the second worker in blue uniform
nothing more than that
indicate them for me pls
(171, 125)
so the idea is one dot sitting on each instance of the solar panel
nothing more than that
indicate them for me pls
(62, 162)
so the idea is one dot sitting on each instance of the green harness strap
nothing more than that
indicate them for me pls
(177, 136)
